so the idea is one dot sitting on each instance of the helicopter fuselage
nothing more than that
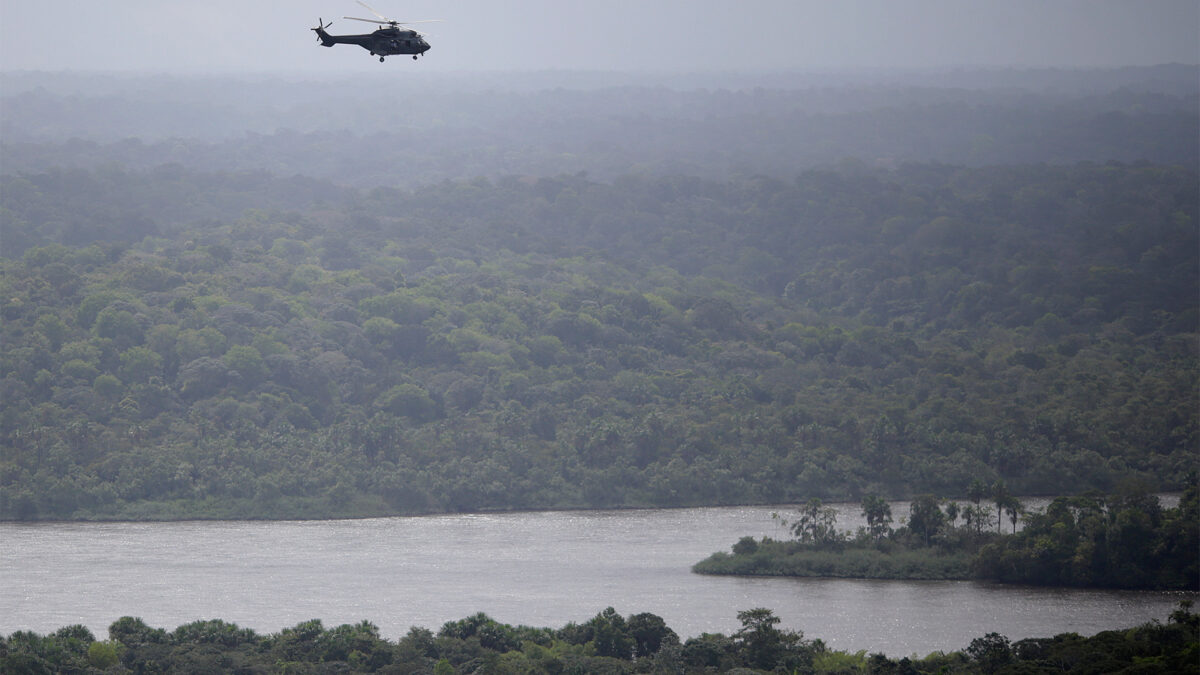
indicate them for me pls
(383, 42)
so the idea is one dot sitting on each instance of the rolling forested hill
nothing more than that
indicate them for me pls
(186, 340)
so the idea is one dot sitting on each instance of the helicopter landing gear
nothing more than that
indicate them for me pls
(381, 59)
(414, 57)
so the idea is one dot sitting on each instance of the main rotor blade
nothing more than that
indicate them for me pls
(372, 10)
(389, 22)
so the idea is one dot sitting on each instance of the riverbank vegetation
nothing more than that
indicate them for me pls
(608, 643)
(1126, 541)
(191, 328)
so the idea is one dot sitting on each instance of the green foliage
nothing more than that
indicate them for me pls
(478, 643)
(925, 517)
(774, 558)
(764, 646)
(610, 635)
(878, 513)
(1127, 541)
(660, 341)
(650, 634)
(815, 524)
(103, 655)
(408, 400)
(139, 364)
(745, 546)
(992, 652)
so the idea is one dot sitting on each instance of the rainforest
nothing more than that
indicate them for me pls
(193, 329)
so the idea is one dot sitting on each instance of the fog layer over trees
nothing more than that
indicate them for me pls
(415, 129)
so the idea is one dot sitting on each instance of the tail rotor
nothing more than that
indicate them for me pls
(321, 26)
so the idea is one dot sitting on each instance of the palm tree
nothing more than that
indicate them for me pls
(976, 492)
(1014, 509)
(878, 514)
(1000, 497)
(952, 512)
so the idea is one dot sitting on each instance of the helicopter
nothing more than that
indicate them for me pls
(390, 39)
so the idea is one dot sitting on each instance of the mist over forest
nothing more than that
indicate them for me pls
(231, 296)
(419, 129)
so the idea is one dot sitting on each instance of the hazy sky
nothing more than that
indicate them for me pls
(658, 35)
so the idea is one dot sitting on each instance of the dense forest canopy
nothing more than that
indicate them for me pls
(753, 340)
(606, 296)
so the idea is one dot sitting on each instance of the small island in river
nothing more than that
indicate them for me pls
(1118, 541)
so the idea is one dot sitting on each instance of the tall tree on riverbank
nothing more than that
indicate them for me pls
(815, 524)
(1001, 498)
(925, 517)
(976, 491)
(878, 513)
(1014, 509)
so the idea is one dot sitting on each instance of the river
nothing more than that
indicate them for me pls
(539, 569)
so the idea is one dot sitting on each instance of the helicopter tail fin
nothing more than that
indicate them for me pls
(324, 38)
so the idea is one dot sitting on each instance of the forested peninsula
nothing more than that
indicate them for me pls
(1108, 541)
(607, 643)
(182, 339)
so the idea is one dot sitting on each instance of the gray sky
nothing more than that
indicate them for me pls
(655, 35)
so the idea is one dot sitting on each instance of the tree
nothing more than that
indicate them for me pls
(139, 364)
(1000, 497)
(991, 652)
(107, 386)
(55, 330)
(952, 512)
(925, 517)
(878, 513)
(1012, 506)
(762, 645)
(650, 634)
(120, 326)
(408, 400)
(248, 363)
(745, 546)
(976, 491)
(203, 377)
(610, 635)
(133, 632)
(104, 655)
(817, 523)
